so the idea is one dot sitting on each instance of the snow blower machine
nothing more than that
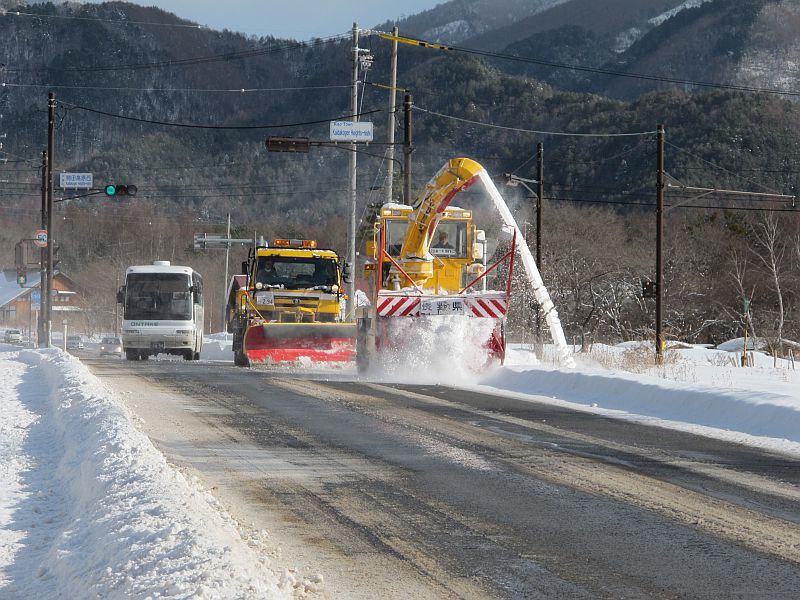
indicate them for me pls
(430, 260)
(286, 307)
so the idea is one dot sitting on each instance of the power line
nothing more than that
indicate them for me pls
(16, 13)
(174, 90)
(225, 127)
(540, 132)
(596, 70)
(228, 56)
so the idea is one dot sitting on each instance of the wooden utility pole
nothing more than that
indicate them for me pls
(539, 198)
(408, 148)
(51, 143)
(392, 108)
(351, 223)
(660, 185)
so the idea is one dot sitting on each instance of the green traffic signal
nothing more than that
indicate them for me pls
(120, 190)
(22, 277)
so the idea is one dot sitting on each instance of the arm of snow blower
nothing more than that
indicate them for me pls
(455, 176)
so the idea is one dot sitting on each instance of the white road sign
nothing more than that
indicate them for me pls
(76, 181)
(351, 131)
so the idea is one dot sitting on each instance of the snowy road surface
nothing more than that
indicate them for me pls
(427, 491)
(275, 486)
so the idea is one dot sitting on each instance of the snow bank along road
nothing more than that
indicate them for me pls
(426, 491)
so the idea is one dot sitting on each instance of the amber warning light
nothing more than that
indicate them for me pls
(296, 243)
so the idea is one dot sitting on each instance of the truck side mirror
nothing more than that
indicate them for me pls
(121, 295)
(347, 274)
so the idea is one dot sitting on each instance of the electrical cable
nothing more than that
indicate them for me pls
(596, 70)
(540, 132)
(200, 60)
(222, 127)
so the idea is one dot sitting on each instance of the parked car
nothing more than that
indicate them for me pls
(111, 345)
(13, 336)
(74, 342)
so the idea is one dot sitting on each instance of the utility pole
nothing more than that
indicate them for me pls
(660, 185)
(44, 295)
(225, 288)
(51, 143)
(392, 107)
(539, 197)
(407, 149)
(351, 225)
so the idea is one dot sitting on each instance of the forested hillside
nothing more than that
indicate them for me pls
(183, 113)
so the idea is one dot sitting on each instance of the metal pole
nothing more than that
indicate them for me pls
(43, 292)
(659, 245)
(407, 150)
(51, 142)
(392, 108)
(225, 287)
(539, 198)
(351, 225)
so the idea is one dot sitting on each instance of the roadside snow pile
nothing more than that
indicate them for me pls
(698, 389)
(90, 508)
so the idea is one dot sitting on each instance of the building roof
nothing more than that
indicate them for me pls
(10, 289)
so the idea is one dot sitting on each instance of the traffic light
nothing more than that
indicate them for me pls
(288, 144)
(21, 262)
(114, 190)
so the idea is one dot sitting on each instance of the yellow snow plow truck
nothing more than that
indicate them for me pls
(286, 308)
(427, 261)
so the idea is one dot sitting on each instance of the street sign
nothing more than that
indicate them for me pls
(208, 241)
(76, 181)
(351, 131)
(40, 238)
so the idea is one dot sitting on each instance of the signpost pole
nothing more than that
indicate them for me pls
(44, 298)
(351, 223)
(51, 143)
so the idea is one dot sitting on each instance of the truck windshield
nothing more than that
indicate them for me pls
(295, 273)
(158, 296)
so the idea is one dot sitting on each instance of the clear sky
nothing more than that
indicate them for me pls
(298, 19)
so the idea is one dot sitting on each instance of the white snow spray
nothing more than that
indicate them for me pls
(534, 277)
(445, 350)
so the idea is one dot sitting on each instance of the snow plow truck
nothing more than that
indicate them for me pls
(429, 260)
(286, 306)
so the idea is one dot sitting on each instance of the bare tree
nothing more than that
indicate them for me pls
(770, 249)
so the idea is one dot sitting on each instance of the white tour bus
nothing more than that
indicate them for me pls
(162, 311)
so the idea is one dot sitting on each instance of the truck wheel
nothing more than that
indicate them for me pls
(362, 352)
(144, 356)
(188, 355)
(240, 359)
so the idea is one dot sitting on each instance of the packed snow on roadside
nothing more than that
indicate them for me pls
(90, 508)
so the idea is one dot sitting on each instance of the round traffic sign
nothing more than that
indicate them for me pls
(40, 238)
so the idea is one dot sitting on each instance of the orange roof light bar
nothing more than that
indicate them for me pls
(292, 243)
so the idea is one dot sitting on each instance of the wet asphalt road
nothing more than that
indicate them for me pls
(480, 495)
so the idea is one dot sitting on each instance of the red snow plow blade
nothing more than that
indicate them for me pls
(289, 342)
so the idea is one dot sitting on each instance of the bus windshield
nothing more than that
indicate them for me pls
(158, 296)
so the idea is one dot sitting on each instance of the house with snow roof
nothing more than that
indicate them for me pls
(20, 306)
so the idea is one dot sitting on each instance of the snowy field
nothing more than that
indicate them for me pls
(90, 508)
